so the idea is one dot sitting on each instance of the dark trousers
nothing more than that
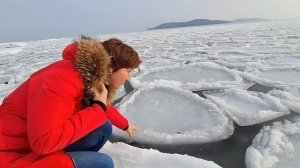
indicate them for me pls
(84, 152)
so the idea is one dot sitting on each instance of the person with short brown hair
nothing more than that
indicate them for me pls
(62, 115)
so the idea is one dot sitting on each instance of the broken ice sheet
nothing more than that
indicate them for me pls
(194, 76)
(276, 146)
(288, 98)
(248, 108)
(168, 115)
(282, 77)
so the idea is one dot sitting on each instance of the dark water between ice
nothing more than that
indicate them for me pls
(228, 153)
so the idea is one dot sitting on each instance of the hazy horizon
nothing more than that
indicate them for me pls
(34, 20)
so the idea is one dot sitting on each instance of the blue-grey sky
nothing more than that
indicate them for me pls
(23, 20)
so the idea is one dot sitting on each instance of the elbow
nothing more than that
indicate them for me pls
(41, 147)
(40, 150)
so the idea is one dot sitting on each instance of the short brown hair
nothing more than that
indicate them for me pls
(122, 55)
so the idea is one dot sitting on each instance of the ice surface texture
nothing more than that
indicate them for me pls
(126, 156)
(195, 58)
(277, 77)
(173, 115)
(276, 146)
(248, 109)
(194, 76)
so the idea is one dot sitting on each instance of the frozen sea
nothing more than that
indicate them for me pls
(210, 96)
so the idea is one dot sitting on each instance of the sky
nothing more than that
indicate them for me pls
(42, 19)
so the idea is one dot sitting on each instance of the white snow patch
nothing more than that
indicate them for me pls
(5, 90)
(284, 61)
(126, 156)
(8, 49)
(276, 146)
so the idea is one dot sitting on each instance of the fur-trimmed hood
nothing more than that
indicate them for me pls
(91, 61)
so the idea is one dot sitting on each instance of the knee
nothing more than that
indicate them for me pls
(105, 129)
(106, 161)
(91, 159)
(108, 129)
(94, 140)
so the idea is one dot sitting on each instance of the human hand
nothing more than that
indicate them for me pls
(101, 96)
(132, 129)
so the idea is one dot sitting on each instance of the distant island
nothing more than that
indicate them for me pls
(201, 22)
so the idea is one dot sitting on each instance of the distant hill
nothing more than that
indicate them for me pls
(196, 22)
(200, 22)
(239, 20)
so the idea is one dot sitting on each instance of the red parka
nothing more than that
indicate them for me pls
(44, 115)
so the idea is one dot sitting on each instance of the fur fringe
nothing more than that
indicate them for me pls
(92, 62)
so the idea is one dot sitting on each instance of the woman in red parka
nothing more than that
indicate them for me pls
(61, 116)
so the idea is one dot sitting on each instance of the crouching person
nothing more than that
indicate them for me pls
(62, 115)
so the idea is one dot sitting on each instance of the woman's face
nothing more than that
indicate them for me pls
(118, 78)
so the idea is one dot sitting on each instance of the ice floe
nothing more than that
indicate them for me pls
(276, 77)
(8, 49)
(287, 98)
(262, 53)
(248, 108)
(5, 90)
(194, 76)
(168, 115)
(150, 158)
(157, 64)
(276, 146)
(284, 61)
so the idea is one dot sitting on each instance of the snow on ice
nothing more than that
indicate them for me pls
(173, 115)
(194, 76)
(276, 146)
(288, 98)
(222, 61)
(282, 77)
(248, 108)
(126, 156)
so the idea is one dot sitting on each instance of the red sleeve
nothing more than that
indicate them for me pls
(116, 118)
(52, 122)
